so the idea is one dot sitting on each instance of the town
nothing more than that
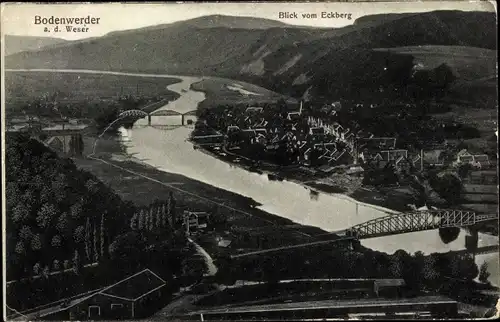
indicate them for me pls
(384, 145)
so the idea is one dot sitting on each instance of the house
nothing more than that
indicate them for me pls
(131, 298)
(433, 157)
(382, 158)
(478, 160)
(314, 131)
(56, 143)
(338, 156)
(261, 123)
(253, 110)
(379, 143)
(18, 128)
(195, 220)
(222, 242)
(481, 161)
(464, 157)
(336, 106)
(232, 128)
(404, 165)
(255, 135)
(329, 146)
(353, 171)
(337, 129)
(316, 135)
(291, 115)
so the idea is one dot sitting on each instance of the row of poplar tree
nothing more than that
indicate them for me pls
(155, 217)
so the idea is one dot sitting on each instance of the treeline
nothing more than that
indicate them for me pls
(437, 272)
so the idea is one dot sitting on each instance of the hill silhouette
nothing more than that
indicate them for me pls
(282, 57)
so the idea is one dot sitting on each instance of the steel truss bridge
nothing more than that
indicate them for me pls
(417, 221)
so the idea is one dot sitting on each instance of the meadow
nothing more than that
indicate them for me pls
(22, 88)
(221, 91)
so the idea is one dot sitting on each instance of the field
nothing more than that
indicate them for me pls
(467, 63)
(221, 91)
(68, 88)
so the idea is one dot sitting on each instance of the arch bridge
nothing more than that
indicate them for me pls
(417, 221)
(142, 114)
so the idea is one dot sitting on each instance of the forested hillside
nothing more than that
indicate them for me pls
(54, 210)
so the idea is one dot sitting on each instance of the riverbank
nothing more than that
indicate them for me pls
(391, 201)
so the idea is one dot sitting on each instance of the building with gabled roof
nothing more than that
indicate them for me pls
(254, 109)
(130, 298)
(291, 115)
(380, 143)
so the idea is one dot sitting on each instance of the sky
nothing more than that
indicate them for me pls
(19, 19)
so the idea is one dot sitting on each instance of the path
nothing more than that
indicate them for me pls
(212, 269)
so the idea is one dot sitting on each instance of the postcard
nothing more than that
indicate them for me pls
(250, 161)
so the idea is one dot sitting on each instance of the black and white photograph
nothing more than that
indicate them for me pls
(263, 161)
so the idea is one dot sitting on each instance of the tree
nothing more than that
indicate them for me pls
(79, 234)
(94, 242)
(36, 242)
(88, 248)
(483, 273)
(25, 233)
(464, 169)
(168, 213)
(448, 187)
(463, 267)
(36, 269)
(56, 241)
(20, 248)
(56, 265)
(20, 213)
(396, 266)
(163, 216)
(76, 210)
(102, 237)
(158, 218)
(46, 272)
(151, 220)
(134, 222)
(171, 208)
(429, 272)
(66, 264)
(126, 250)
(63, 225)
(141, 220)
(77, 263)
(59, 186)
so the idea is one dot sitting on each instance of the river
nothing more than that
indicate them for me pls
(168, 151)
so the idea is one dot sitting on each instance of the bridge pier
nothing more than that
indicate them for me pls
(182, 119)
(149, 119)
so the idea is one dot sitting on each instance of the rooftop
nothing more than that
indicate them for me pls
(135, 286)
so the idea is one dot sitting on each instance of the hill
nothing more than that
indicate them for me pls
(16, 44)
(284, 58)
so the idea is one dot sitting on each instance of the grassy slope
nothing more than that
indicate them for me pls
(217, 92)
(16, 44)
